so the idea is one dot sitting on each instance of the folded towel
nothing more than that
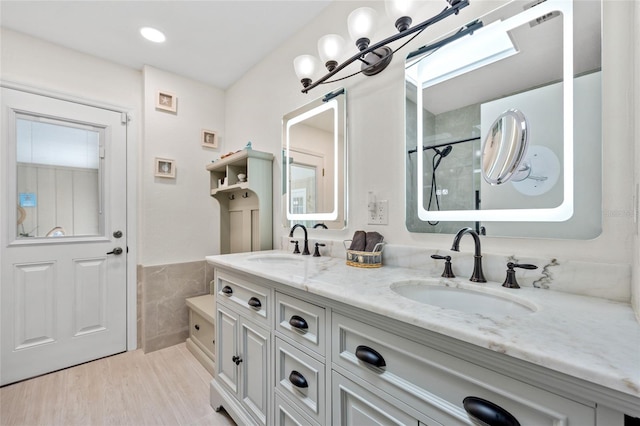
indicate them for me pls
(359, 242)
(373, 238)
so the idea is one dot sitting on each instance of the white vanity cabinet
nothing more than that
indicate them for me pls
(435, 384)
(242, 381)
(288, 357)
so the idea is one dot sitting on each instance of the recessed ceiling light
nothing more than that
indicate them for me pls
(152, 34)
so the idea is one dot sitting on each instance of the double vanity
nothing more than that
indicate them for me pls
(310, 340)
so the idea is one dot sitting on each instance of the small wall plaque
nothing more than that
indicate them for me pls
(165, 168)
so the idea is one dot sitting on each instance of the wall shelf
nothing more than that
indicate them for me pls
(246, 208)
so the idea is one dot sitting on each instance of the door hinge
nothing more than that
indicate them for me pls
(323, 172)
(102, 152)
(124, 118)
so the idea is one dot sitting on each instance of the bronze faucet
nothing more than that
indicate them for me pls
(305, 251)
(477, 276)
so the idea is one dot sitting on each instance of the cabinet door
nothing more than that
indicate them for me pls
(356, 406)
(227, 348)
(254, 369)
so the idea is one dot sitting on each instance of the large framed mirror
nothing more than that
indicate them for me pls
(494, 134)
(314, 163)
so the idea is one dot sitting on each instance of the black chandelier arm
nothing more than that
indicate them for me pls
(467, 29)
(452, 10)
(381, 58)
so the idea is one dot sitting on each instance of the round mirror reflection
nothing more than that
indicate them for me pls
(504, 147)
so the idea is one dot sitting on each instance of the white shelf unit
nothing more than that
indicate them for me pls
(246, 208)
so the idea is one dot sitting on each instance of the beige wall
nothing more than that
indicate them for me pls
(178, 219)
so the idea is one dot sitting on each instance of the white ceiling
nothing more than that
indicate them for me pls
(213, 41)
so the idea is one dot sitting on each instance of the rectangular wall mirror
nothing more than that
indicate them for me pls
(314, 163)
(494, 134)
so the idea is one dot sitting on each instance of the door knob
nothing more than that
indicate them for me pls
(117, 234)
(117, 251)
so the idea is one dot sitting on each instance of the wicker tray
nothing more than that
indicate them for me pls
(364, 259)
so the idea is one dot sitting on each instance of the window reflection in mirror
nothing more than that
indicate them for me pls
(58, 178)
(450, 108)
(314, 162)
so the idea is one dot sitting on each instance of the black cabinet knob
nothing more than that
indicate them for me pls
(197, 327)
(254, 302)
(370, 356)
(488, 412)
(298, 322)
(298, 380)
(236, 359)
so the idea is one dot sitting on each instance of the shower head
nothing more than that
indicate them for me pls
(446, 151)
(440, 155)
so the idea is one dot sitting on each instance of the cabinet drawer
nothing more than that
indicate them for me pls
(354, 405)
(301, 321)
(302, 379)
(436, 384)
(287, 415)
(249, 298)
(202, 333)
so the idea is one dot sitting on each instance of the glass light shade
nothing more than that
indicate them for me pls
(398, 8)
(305, 66)
(330, 47)
(400, 13)
(361, 23)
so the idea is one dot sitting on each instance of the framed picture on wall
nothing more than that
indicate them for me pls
(209, 139)
(166, 101)
(165, 168)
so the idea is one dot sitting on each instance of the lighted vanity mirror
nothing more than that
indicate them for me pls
(521, 59)
(314, 163)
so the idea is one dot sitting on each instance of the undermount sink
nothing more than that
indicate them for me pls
(276, 258)
(433, 292)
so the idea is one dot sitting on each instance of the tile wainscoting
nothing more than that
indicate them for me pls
(163, 318)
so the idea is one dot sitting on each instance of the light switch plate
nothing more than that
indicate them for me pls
(380, 214)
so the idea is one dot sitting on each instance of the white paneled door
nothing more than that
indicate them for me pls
(63, 248)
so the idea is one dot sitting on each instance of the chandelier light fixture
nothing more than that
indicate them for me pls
(374, 57)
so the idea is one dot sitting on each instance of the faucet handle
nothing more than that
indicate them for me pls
(510, 281)
(316, 252)
(296, 250)
(448, 272)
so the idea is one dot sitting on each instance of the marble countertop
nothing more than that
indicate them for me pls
(590, 338)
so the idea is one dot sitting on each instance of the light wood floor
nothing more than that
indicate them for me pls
(166, 387)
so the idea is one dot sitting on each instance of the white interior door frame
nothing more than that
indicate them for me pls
(132, 195)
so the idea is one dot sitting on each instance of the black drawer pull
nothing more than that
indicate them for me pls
(254, 302)
(298, 380)
(298, 322)
(368, 355)
(197, 327)
(488, 412)
(226, 290)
